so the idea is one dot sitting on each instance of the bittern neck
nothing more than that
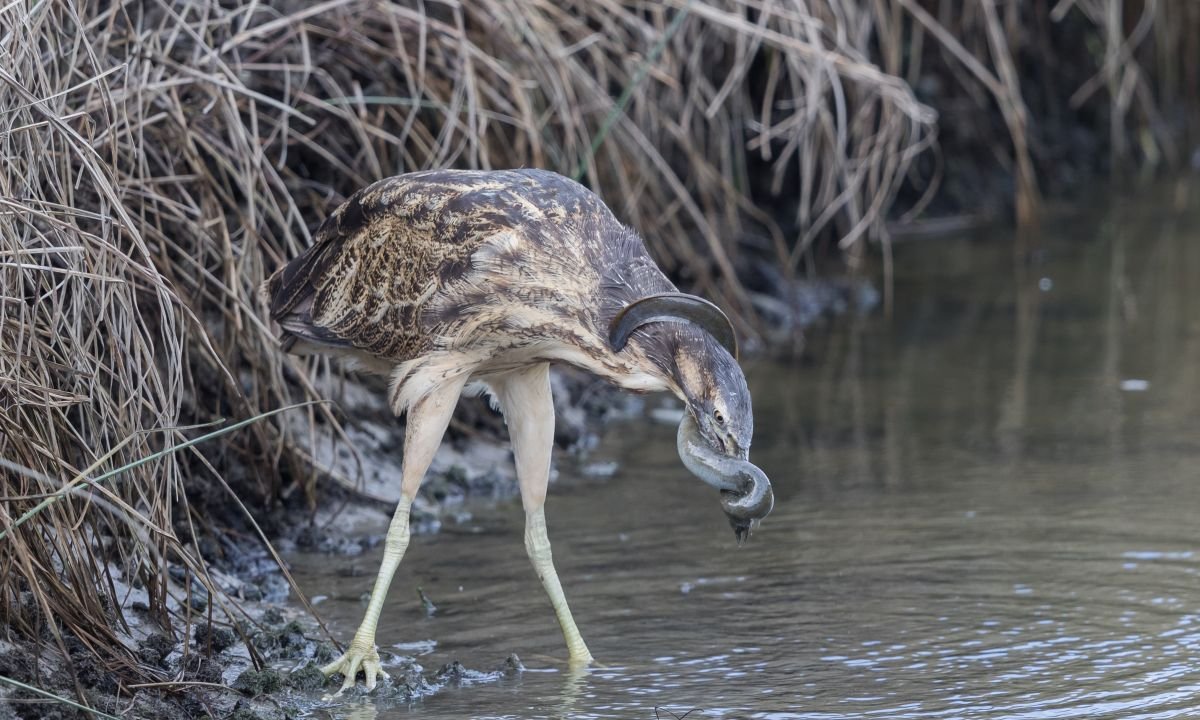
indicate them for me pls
(682, 355)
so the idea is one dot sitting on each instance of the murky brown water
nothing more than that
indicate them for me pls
(986, 508)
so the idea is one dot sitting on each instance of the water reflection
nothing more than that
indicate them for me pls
(985, 508)
(1003, 367)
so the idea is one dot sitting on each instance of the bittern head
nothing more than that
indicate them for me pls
(715, 433)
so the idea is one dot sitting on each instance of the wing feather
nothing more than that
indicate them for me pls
(381, 256)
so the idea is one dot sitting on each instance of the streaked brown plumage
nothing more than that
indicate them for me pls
(496, 268)
(445, 277)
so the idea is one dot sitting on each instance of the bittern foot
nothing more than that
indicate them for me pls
(357, 656)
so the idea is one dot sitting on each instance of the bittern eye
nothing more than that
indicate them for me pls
(719, 418)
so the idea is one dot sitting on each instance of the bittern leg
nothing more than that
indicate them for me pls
(529, 411)
(427, 421)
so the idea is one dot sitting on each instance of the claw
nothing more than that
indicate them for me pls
(354, 659)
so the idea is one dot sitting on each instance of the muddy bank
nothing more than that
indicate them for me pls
(266, 668)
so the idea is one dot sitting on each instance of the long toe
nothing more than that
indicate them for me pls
(350, 663)
(371, 670)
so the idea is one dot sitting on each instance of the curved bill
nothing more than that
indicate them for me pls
(746, 494)
(672, 307)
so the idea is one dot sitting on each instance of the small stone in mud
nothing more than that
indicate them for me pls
(201, 669)
(454, 673)
(325, 652)
(406, 683)
(308, 677)
(155, 649)
(317, 540)
(250, 592)
(291, 637)
(258, 682)
(219, 637)
(512, 665)
(451, 672)
(90, 674)
(287, 641)
(244, 713)
(18, 666)
(272, 617)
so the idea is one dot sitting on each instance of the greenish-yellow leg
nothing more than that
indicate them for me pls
(362, 653)
(529, 411)
(537, 543)
(427, 421)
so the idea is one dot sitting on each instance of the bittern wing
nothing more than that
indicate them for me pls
(463, 258)
(379, 258)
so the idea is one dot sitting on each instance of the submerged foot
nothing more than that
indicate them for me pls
(357, 657)
(579, 655)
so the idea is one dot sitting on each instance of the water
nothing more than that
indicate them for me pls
(985, 508)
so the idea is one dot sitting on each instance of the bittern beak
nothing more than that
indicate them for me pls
(746, 494)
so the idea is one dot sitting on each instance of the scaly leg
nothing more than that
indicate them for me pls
(529, 412)
(537, 544)
(427, 421)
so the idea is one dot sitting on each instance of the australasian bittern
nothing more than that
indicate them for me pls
(449, 278)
